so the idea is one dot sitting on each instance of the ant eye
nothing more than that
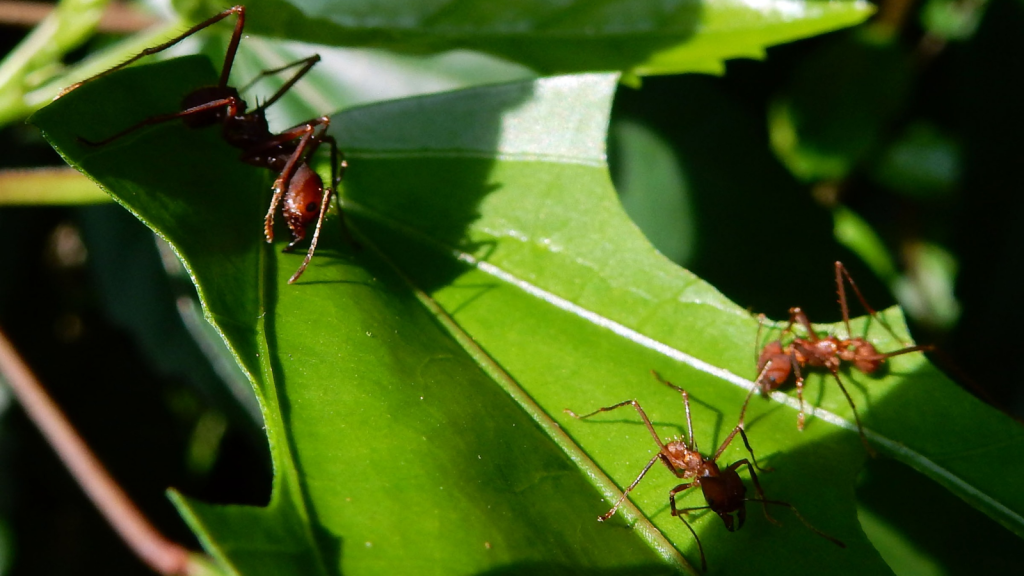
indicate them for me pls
(312, 207)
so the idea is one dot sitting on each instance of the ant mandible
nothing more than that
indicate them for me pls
(298, 189)
(776, 362)
(723, 490)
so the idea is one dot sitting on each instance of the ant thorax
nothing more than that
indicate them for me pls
(246, 129)
(822, 352)
(201, 97)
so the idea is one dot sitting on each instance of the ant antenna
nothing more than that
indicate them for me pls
(686, 403)
(328, 194)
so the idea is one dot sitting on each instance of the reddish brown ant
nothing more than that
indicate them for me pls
(776, 362)
(723, 490)
(288, 154)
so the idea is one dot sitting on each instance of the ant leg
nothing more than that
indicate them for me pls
(271, 72)
(799, 389)
(305, 133)
(338, 162)
(231, 103)
(763, 501)
(757, 339)
(281, 184)
(293, 133)
(316, 235)
(797, 316)
(746, 442)
(686, 403)
(678, 513)
(758, 386)
(842, 272)
(626, 492)
(338, 167)
(307, 65)
(757, 486)
(841, 292)
(228, 59)
(635, 404)
(860, 428)
(725, 443)
(907, 350)
(743, 410)
(337, 170)
(236, 36)
(689, 509)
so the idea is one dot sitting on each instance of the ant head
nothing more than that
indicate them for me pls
(302, 200)
(741, 516)
(779, 365)
(682, 457)
(862, 354)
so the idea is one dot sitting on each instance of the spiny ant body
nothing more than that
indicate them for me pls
(777, 361)
(298, 188)
(723, 489)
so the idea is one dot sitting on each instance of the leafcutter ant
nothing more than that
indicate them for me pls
(777, 361)
(298, 189)
(723, 490)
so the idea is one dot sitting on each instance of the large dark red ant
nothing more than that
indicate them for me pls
(723, 490)
(776, 361)
(297, 188)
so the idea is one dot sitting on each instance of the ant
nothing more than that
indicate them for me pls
(298, 188)
(776, 362)
(723, 490)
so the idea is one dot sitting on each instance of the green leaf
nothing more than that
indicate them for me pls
(341, 79)
(924, 163)
(642, 37)
(48, 186)
(839, 103)
(860, 238)
(37, 58)
(413, 390)
(365, 381)
(654, 190)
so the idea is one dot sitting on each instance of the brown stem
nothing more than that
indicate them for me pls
(118, 18)
(892, 15)
(149, 545)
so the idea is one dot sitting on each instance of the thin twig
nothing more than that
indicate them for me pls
(118, 18)
(149, 545)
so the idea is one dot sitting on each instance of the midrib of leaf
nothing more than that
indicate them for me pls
(897, 449)
(648, 532)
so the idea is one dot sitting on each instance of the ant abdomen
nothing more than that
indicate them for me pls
(863, 355)
(774, 365)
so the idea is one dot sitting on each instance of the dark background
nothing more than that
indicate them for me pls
(102, 330)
